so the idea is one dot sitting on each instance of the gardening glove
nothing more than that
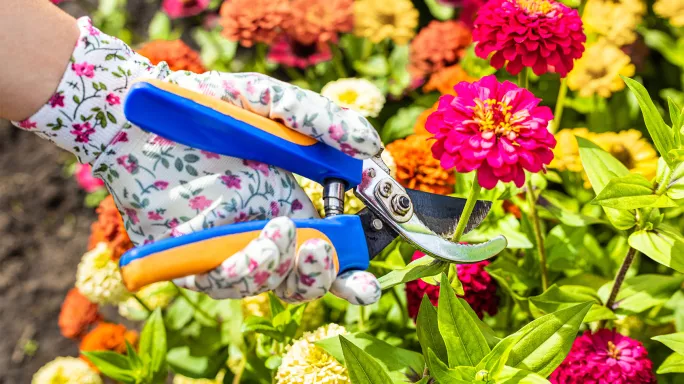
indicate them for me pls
(165, 189)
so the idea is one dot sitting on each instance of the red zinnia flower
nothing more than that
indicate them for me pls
(184, 8)
(605, 357)
(542, 34)
(478, 286)
(495, 128)
(292, 53)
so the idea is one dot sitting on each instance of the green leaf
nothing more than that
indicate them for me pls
(674, 341)
(275, 304)
(676, 115)
(556, 298)
(661, 246)
(518, 376)
(639, 293)
(423, 267)
(632, 192)
(547, 340)
(261, 325)
(153, 342)
(375, 66)
(663, 43)
(444, 374)
(495, 360)
(197, 363)
(439, 10)
(363, 369)
(401, 124)
(178, 314)
(397, 361)
(601, 167)
(659, 131)
(113, 365)
(675, 186)
(673, 364)
(465, 344)
(160, 27)
(427, 331)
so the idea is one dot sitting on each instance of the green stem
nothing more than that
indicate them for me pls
(402, 308)
(338, 61)
(534, 217)
(362, 317)
(142, 303)
(665, 182)
(468, 210)
(194, 305)
(260, 58)
(560, 105)
(620, 277)
(523, 78)
(293, 73)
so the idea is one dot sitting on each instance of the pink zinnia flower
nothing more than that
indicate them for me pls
(83, 69)
(57, 100)
(605, 357)
(200, 202)
(291, 53)
(495, 128)
(82, 132)
(184, 8)
(84, 178)
(478, 286)
(113, 99)
(544, 35)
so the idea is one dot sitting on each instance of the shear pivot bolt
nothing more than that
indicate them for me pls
(401, 204)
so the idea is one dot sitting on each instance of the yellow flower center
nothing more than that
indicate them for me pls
(348, 96)
(613, 350)
(494, 117)
(535, 7)
(621, 152)
(60, 377)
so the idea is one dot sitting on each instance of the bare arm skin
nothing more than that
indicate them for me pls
(36, 41)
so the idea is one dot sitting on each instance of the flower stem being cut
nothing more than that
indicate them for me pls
(534, 217)
(468, 210)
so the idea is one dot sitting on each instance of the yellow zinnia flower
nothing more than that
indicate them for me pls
(614, 20)
(66, 370)
(629, 147)
(673, 10)
(180, 379)
(599, 70)
(256, 306)
(98, 277)
(304, 362)
(378, 20)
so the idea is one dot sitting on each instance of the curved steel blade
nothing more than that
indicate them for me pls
(442, 213)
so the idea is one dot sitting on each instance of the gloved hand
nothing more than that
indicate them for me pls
(167, 189)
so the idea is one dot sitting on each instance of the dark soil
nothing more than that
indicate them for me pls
(44, 229)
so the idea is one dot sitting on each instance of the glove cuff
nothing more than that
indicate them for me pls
(85, 114)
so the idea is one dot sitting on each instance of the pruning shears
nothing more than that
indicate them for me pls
(423, 219)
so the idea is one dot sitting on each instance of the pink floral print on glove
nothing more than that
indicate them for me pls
(165, 189)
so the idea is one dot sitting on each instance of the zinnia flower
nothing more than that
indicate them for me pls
(439, 45)
(98, 277)
(478, 286)
(85, 179)
(615, 21)
(443, 80)
(495, 128)
(175, 53)
(599, 70)
(66, 370)
(419, 126)
(378, 20)
(184, 8)
(417, 169)
(319, 21)
(180, 379)
(253, 21)
(605, 356)
(359, 95)
(109, 228)
(77, 314)
(156, 295)
(257, 305)
(304, 362)
(288, 51)
(672, 10)
(629, 147)
(108, 337)
(544, 35)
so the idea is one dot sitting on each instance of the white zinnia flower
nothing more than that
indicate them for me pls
(66, 370)
(98, 277)
(359, 95)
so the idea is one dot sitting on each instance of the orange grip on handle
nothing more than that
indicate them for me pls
(199, 257)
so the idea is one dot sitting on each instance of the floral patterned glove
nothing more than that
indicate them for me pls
(167, 189)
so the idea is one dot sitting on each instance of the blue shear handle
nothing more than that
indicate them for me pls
(159, 108)
(202, 251)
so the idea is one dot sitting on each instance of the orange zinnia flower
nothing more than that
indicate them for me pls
(417, 169)
(439, 45)
(419, 127)
(175, 53)
(319, 21)
(109, 228)
(253, 21)
(108, 337)
(444, 80)
(77, 314)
